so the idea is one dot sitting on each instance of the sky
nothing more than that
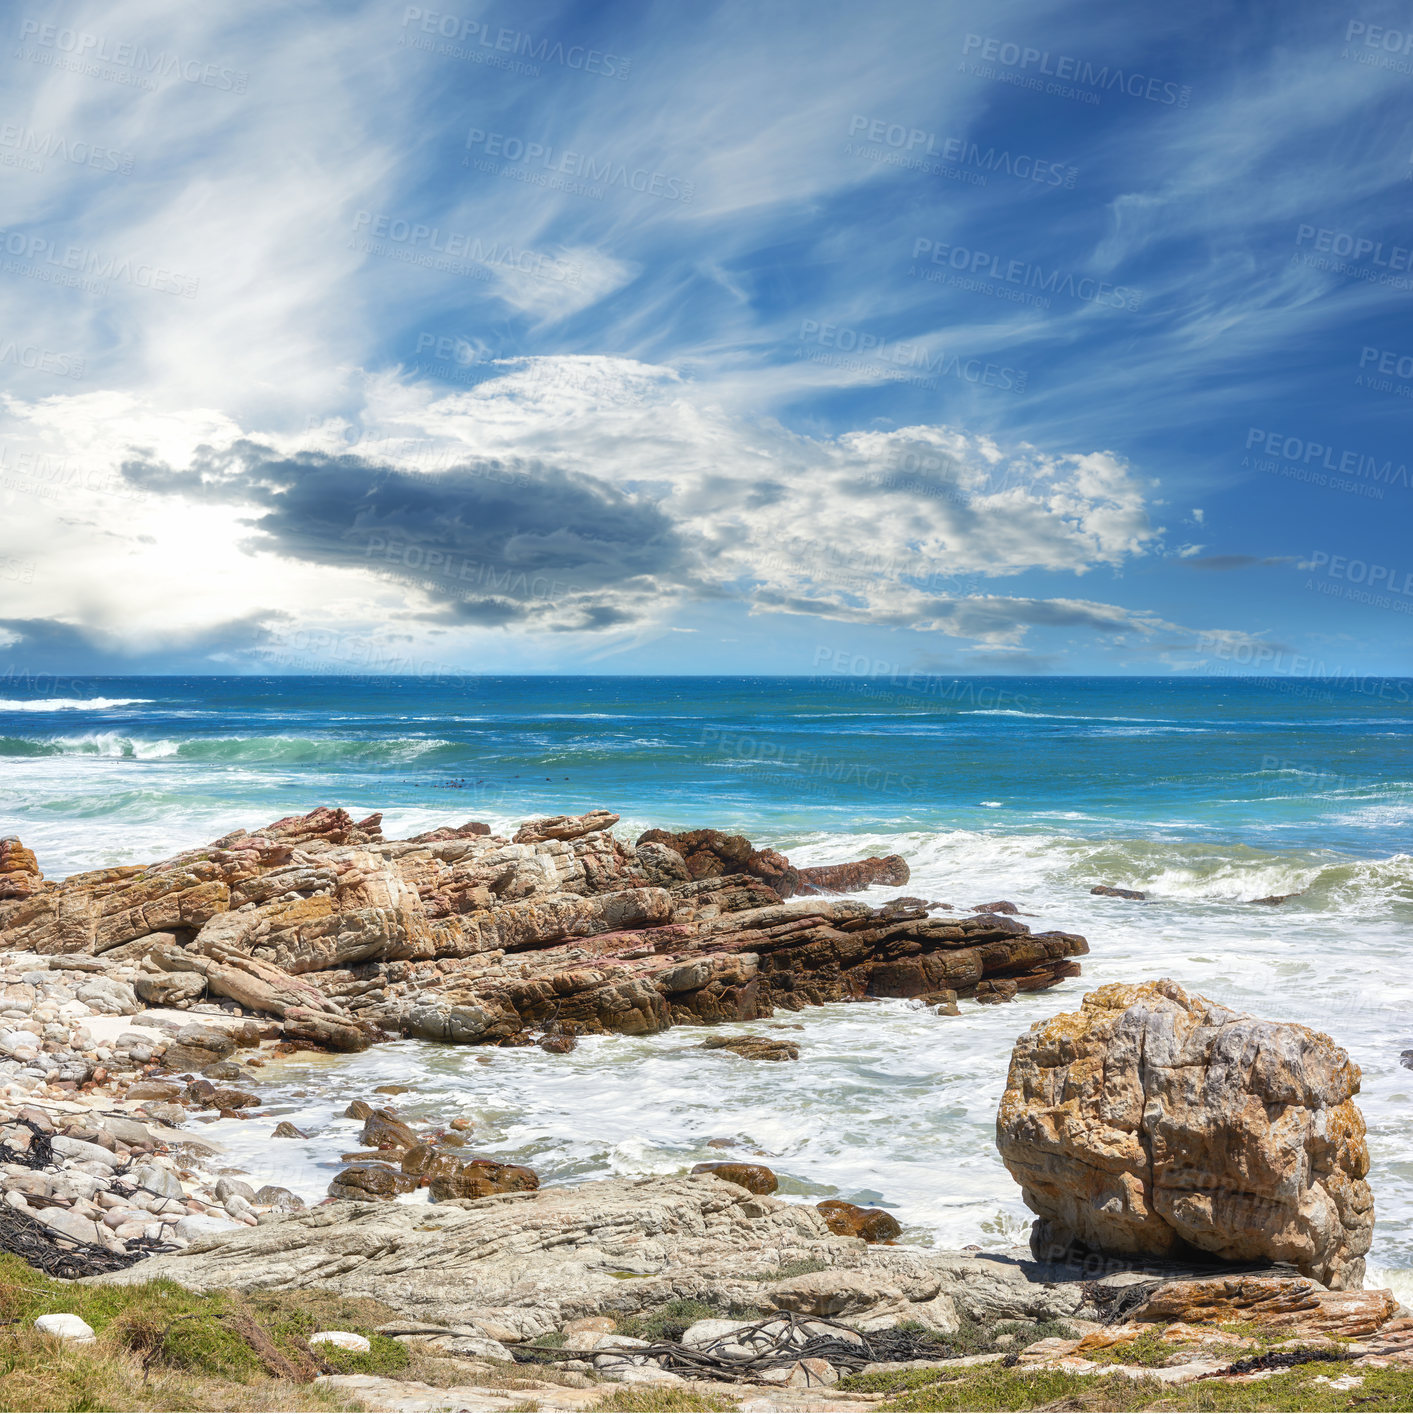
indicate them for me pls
(649, 338)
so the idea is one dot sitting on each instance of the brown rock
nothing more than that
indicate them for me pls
(368, 1181)
(1108, 891)
(558, 1045)
(19, 870)
(231, 1099)
(1273, 1303)
(711, 854)
(469, 830)
(1001, 906)
(755, 1178)
(1276, 899)
(384, 1130)
(1152, 1121)
(565, 827)
(480, 1178)
(359, 1109)
(891, 870)
(849, 1220)
(995, 990)
(285, 1130)
(753, 1047)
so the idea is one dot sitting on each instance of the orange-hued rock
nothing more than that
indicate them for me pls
(19, 870)
(1277, 1303)
(1152, 1121)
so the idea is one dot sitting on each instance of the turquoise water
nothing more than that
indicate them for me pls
(1207, 794)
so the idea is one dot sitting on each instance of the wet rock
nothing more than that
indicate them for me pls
(273, 1196)
(850, 1220)
(285, 1130)
(889, 870)
(558, 1045)
(1276, 899)
(1001, 906)
(363, 1182)
(995, 990)
(384, 1130)
(765, 1048)
(710, 854)
(359, 1109)
(480, 1178)
(754, 1178)
(1109, 891)
(1152, 1121)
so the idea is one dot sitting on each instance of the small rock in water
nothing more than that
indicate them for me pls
(285, 1130)
(1277, 898)
(365, 1182)
(462, 1124)
(390, 1089)
(66, 1327)
(271, 1196)
(1001, 906)
(849, 1220)
(755, 1178)
(992, 991)
(558, 1045)
(1109, 891)
(359, 1109)
(753, 1047)
(345, 1340)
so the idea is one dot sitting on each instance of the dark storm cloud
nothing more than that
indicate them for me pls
(493, 543)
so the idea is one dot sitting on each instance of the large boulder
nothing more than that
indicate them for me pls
(1154, 1122)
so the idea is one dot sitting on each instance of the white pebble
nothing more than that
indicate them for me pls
(65, 1326)
(345, 1340)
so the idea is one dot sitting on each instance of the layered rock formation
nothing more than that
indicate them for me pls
(532, 1261)
(460, 935)
(1152, 1121)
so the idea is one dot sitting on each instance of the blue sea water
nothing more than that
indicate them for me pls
(1205, 793)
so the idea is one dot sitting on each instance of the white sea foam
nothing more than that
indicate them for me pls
(68, 704)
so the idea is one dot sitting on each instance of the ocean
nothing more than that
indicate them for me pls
(1207, 794)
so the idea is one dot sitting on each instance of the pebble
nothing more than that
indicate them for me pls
(345, 1340)
(66, 1327)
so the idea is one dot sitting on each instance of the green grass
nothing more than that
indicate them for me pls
(994, 1387)
(661, 1399)
(160, 1331)
(670, 1321)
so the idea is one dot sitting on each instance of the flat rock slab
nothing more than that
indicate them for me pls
(533, 1261)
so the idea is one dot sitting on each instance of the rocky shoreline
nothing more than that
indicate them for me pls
(132, 998)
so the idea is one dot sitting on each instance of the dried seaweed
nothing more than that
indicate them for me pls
(775, 1342)
(65, 1257)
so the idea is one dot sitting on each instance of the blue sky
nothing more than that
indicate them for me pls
(980, 338)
